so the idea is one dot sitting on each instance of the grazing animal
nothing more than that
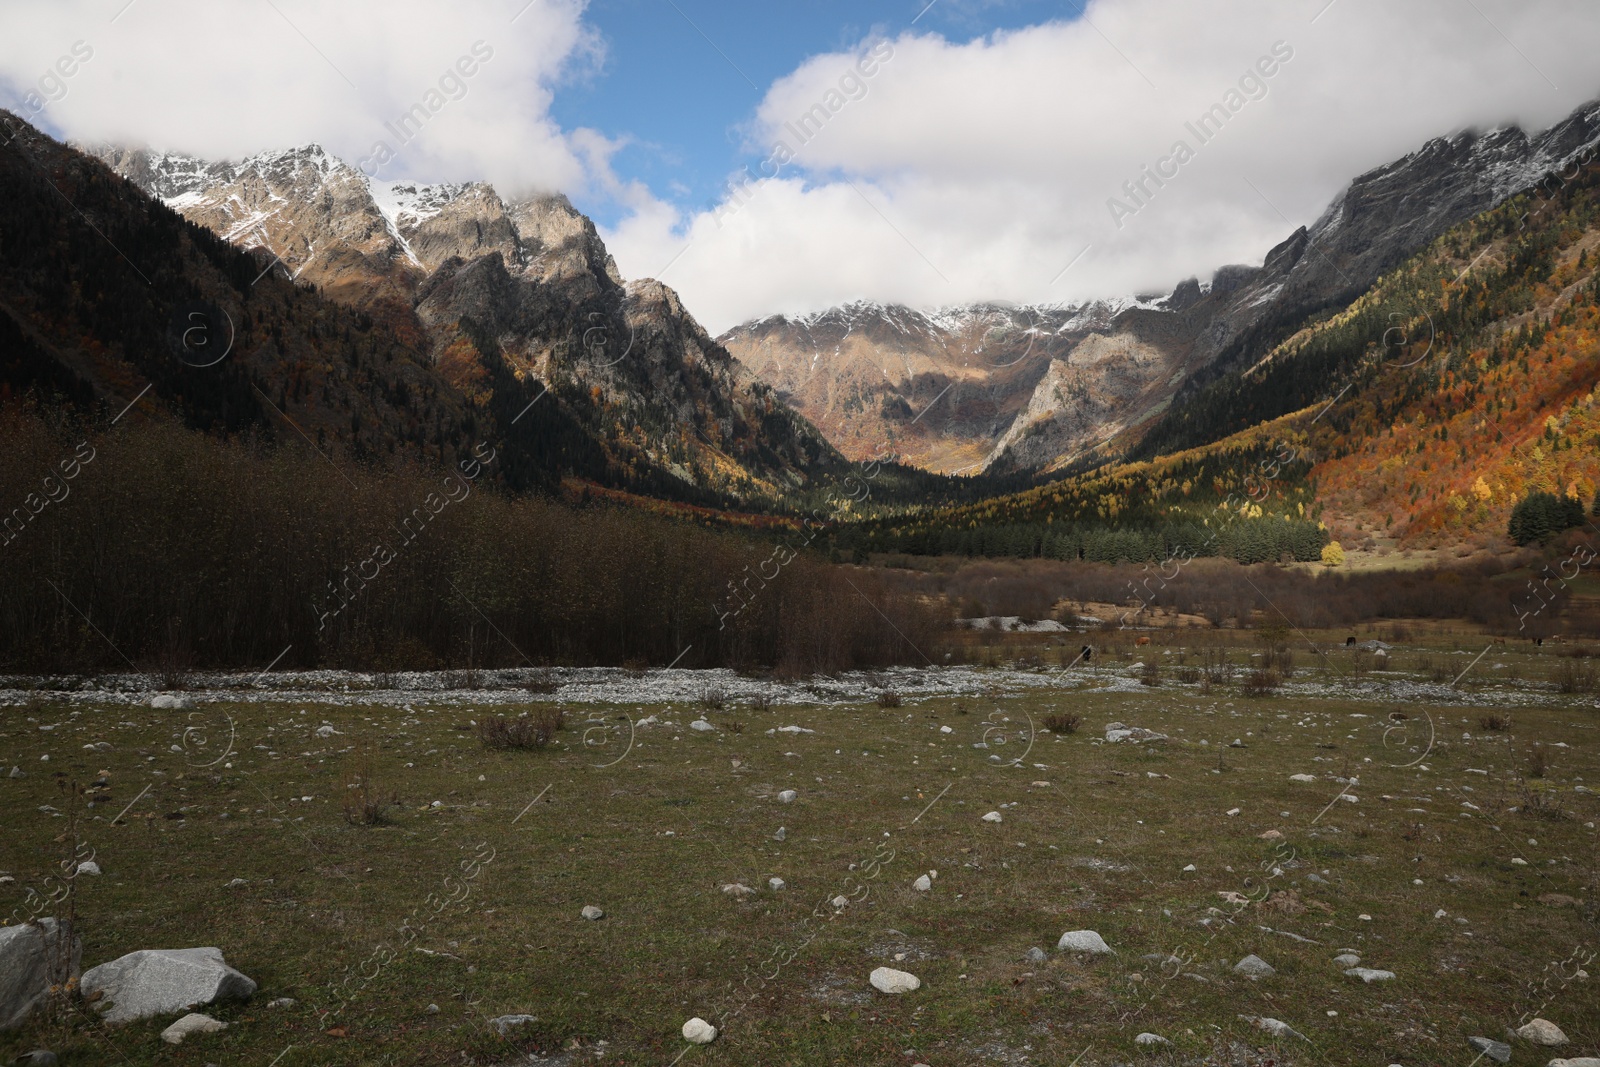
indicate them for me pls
(1499, 640)
(1088, 654)
(1539, 641)
(1142, 641)
(1350, 642)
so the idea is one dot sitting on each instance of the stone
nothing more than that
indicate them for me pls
(1083, 941)
(788, 796)
(993, 816)
(1542, 1032)
(1036, 955)
(889, 980)
(776, 884)
(1150, 1039)
(1275, 1027)
(18, 772)
(1189, 869)
(592, 913)
(282, 1002)
(30, 963)
(737, 889)
(166, 701)
(699, 1032)
(1271, 835)
(238, 883)
(1302, 778)
(1498, 1051)
(1232, 812)
(1254, 966)
(43, 1057)
(193, 1023)
(162, 981)
(1581, 1061)
(839, 901)
(1117, 732)
(922, 884)
(783, 832)
(326, 730)
(1369, 975)
(701, 725)
(431, 1009)
(89, 867)
(504, 1024)
(1348, 959)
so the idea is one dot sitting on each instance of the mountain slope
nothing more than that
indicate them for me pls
(513, 304)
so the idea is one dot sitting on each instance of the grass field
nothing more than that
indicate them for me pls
(489, 855)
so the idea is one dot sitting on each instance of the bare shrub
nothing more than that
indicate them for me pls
(734, 726)
(713, 698)
(1540, 803)
(1575, 676)
(761, 701)
(542, 680)
(1260, 682)
(528, 730)
(1060, 722)
(1494, 722)
(364, 802)
(888, 699)
(1538, 761)
(1188, 675)
(1150, 673)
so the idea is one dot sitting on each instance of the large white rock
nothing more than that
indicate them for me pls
(788, 796)
(1581, 1061)
(699, 1031)
(1370, 975)
(701, 725)
(1542, 1032)
(161, 981)
(592, 913)
(1083, 941)
(1150, 1039)
(922, 884)
(1254, 966)
(193, 1023)
(889, 980)
(30, 963)
(993, 816)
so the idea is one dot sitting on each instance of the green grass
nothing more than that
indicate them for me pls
(652, 837)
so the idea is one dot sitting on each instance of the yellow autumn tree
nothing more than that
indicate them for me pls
(1332, 554)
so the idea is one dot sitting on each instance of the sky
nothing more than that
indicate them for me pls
(785, 156)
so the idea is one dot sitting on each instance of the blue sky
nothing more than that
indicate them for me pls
(673, 82)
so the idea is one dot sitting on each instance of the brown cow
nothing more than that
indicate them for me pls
(1142, 641)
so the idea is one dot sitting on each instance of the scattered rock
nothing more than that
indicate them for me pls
(238, 883)
(1036, 955)
(592, 913)
(1581, 1061)
(839, 901)
(161, 981)
(1189, 868)
(1498, 1051)
(18, 772)
(43, 1057)
(1116, 732)
(1275, 1027)
(737, 889)
(282, 1002)
(166, 700)
(1150, 1039)
(783, 832)
(1302, 778)
(993, 816)
(1348, 959)
(1369, 975)
(89, 867)
(889, 980)
(1086, 941)
(326, 731)
(193, 1023)
(30, 963)
(504, 1024)
(1233, 811)
(788, 796)
(1557, 900)
(431, 1009)
(1542, 1032)
(922, 884)
(776, 884)
(1253, 966)
(698, 1031)
(1271, 835)
(701, 725)
(792, 730)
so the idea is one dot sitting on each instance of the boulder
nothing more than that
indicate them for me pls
(1498, 1051)
(161, 981)
(1581, 1061)
(1083, 941)
(32, 959)
(1275, 1027)
(1369, 975)
(43, 1057)
(787, 796)
(922, 884)
(889, 980)
(592, 913)
(1116, 731)
(1348, 959)
(503, 1024)
(1542, 1032)
(1254, 966)
(698, 1031)
(1150, 1039)
(193, 1023)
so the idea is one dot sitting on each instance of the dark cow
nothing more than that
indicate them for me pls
(1349, 642)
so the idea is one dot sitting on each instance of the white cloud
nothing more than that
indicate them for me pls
(988, 165)
(225, 80)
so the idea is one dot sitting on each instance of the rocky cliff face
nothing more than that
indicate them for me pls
(1033, 388)
(514, 301)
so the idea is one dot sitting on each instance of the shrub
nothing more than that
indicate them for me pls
(888, 699)
(1494, 722)
(1538, 761)
(528, 730)
(364, 802)
(1060, 722)
(1188, 675)
(1575, 676)
(1540, 516)
(1333, 554)
(1263, 681)
(713, 698)
(1150, 673)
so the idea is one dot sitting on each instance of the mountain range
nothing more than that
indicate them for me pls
(1003, 389)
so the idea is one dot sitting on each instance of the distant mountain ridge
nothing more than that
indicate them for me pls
(1103, 379)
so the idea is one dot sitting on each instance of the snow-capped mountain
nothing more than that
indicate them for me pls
(1034, 387)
